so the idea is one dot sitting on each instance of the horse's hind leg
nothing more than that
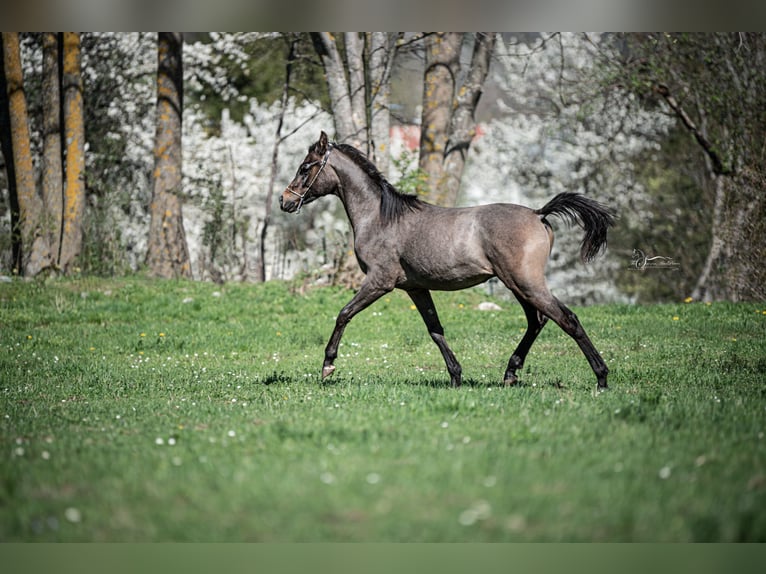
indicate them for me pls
(538, 304)
(535, 323)
(425, 304)
(569, 322)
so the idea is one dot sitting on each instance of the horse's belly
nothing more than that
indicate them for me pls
(445, 278)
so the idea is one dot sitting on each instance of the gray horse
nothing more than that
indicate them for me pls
(405, 243)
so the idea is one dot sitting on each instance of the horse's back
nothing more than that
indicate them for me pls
(453, 248)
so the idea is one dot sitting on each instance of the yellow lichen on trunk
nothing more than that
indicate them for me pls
(74, 187)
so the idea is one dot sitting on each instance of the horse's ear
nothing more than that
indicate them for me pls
(322, 149)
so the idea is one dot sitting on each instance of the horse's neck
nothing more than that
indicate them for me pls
(359, 195)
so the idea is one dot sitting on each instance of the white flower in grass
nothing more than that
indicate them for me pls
(479, 510)
(327, 478)
(665, 472)
(73, 515)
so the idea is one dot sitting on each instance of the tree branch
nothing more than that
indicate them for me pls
(718, 166)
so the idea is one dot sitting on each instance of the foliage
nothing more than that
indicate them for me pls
(229, 71)
(715, 84)
(139, 410)
(559, 130)
(411, 179)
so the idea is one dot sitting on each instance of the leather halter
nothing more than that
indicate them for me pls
(321, 163)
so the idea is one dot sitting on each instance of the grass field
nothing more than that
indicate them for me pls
(134, 410)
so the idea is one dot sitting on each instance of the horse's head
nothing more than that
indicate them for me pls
(311, 181)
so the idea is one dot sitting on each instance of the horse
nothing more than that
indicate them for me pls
(403, 242)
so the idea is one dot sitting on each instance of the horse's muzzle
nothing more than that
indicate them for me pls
(289, 206)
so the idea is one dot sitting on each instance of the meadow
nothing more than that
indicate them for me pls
(138, 410)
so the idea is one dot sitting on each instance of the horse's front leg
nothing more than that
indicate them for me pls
(368, 293)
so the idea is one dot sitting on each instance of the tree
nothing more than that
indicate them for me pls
(52, 165)
(167, 254)
(449, 125)
(33, 250)
(558, 128)
(359, 87)
(74, 138)
(261, 271)
(715, 85)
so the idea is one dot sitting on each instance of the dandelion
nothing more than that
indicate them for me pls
(665, 472)
(675, 318)
(412, 308)
(161, 335)
(232, 434)
(688, 300)
(159, 441)
(142, 335)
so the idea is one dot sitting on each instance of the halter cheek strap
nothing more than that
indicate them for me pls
(321, 163)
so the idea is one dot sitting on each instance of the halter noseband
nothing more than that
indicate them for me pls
(321, 163)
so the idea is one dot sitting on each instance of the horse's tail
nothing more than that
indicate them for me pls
(594, 217)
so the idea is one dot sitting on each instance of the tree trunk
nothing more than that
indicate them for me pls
(704, 290)
(6, 146)
(52, 166)
(356, 88)
(439, 83)
(463, 126)
(448, 124)
(275, 161)
(381, 56)
(74, 131)
(35, 254)
(167, 254)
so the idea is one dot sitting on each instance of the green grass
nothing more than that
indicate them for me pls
(134, 410)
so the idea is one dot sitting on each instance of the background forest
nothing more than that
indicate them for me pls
(126, 152)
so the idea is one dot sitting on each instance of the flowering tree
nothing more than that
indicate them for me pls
(559, 130)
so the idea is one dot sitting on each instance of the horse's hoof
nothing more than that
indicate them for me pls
(510, 381)
(327, 371)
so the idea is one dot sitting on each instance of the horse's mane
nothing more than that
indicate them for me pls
(393, 203)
